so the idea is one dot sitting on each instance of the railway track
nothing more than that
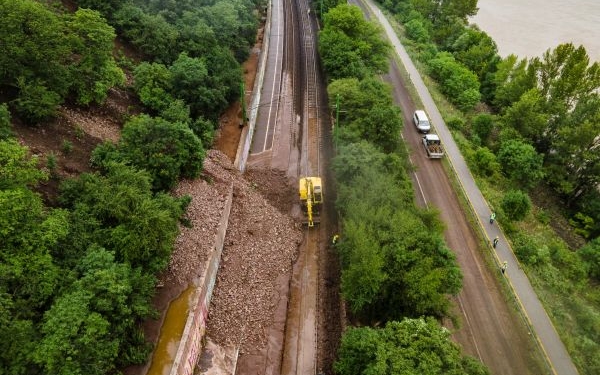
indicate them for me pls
(302, 337)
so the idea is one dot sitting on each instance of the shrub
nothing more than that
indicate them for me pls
(485, 162)
(5, 129)
(482, 125)
(67, 147)
(416, 31)
(516, 205)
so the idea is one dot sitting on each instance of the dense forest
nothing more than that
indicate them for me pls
(76, 278)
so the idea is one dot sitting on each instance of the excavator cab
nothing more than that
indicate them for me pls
(311, 198)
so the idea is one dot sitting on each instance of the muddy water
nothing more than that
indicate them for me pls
(170, 333)
(528, 28)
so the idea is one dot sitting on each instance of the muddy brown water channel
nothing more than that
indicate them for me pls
(171, 332)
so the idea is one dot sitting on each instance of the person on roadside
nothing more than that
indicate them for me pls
(335, 239)
(504, 266)
(495, 242)
(492, 217)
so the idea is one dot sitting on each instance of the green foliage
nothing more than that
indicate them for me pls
(455, 123)
(67, 146)
(5, 127)
(47, 56)
(351, 46)
(512, 79)
(482, 125)
(190, 82)
(526, 115)
(152, 83)
(120, 213)
(416, 31)
(457, 81)
(205, 130)
(412, 346)
(35, 102)
(521, 163)
(485, 162)
(167, 150)
(516, 205)
(17, 168)
(394, 261)
(530, 251)
(371, 114)
(96, 70)
(590, 253)
(152, 34)
(477, 51)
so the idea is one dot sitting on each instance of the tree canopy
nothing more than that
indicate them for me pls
(411, 346)
(351, 46)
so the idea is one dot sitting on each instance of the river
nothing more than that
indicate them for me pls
(527, 28)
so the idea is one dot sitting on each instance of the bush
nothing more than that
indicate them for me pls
(455, 123)
(485, 162)
(482, 125)
(516, 205)
(5, 128)
(36, 102)
(590, 254)
(166, 150)
(416, 31)
(529, 251)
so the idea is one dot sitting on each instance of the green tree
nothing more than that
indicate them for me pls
(17, 168)
(521, 163)
(512, 79)
(516, 205)
(152, 83)
(458, 82)
(482, 125)
(351, 46)
(95, 69)
(485, 162)
(412, 346)
(477, 51)
(120, 213)
(41, 52)
(166, 150)
(575, 146)
(417, 31)
(527, 116)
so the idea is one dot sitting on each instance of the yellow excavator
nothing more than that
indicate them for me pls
(311, 198)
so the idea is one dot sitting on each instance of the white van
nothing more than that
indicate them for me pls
(421, 121)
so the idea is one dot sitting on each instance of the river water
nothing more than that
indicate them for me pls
(527, 28)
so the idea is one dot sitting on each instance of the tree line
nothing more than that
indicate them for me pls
(396, 270)
(77, 278)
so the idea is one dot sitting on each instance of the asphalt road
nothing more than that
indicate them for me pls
(536, 316)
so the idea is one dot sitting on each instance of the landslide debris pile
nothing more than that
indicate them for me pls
(261, 244)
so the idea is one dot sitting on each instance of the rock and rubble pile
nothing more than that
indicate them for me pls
(261, 244)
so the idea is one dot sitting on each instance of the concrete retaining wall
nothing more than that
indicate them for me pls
(246, 139)
(191, 340)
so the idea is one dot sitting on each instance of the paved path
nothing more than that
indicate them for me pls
(548, 338)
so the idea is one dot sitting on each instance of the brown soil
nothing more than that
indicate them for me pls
(230, 129)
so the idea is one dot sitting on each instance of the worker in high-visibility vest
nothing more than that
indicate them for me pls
(335, 239)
